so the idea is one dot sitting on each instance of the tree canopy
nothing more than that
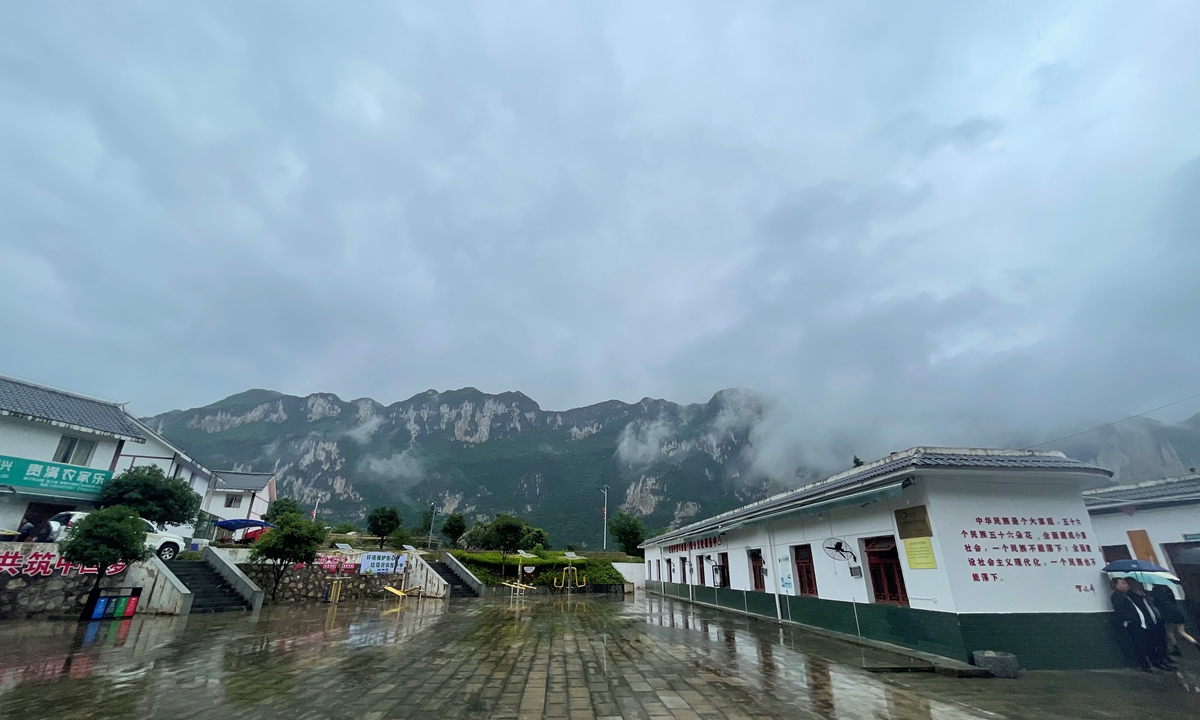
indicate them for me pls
(293, 540)
(280, 507)
(105, 538)
(147, 491)
(383, 521)
(628, 531)
(454, 527)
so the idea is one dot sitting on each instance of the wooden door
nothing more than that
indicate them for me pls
(700, 569)
(1143, 549)
(756, 571)
(806, 574)
(887, 576)
(722, 576)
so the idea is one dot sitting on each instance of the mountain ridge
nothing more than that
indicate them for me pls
(478, 453)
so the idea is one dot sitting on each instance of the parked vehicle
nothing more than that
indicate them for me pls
(165, 545)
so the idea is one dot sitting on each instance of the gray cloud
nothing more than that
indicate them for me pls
(950, 224)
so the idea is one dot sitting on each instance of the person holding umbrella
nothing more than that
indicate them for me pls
(1156, 631)
(1131, 618)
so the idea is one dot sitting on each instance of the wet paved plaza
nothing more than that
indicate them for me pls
(553, 657)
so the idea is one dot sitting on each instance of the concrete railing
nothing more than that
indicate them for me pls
(162, 592)
(464, 574)
(224, 564)
(418, 573)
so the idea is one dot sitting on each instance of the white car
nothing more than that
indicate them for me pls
(165, 545)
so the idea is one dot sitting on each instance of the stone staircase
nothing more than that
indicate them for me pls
(458, 588)
(210, 592)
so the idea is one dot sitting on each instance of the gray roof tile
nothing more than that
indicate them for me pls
(228, 480)
(24, 399)
(1166, 490)
(918, 457)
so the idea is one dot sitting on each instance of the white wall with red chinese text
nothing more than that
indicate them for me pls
(964, 503)
(1164, 525)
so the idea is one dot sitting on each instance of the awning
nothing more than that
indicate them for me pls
(242, 523)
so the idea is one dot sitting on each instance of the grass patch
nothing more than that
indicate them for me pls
(486, 566)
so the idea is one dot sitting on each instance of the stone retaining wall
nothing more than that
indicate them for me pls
(36, 582)
(309, 583)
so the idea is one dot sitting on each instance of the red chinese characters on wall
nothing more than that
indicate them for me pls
(701, 544)
(1012, 541)
(45, 563)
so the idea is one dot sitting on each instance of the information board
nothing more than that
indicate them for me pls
(378, 563)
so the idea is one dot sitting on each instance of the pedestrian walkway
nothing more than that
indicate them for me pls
(562, 657)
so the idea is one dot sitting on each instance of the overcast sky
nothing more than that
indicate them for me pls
(909, 224)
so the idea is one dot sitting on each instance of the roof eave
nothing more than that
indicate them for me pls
(71, 426)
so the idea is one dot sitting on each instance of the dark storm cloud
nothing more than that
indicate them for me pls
(950, 224)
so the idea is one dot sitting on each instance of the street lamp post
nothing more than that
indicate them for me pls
(605, 491)
(432, 517)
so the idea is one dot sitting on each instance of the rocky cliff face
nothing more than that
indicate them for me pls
(479, 454)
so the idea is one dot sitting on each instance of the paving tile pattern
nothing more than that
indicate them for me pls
(593, 657)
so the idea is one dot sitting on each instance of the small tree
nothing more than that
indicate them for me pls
(280, 507)
(507, 532)
(628, 531)
(426, 524)
(858, 462)
(383, 521)
(293, 540)
(534, 537)
(103, 539)
(454, 527)
(152, 495)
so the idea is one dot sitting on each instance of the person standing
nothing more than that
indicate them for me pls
(1132, 620)
(1172, 617)
(1156, 631)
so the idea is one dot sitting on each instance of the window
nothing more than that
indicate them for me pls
(233, 501)
(1115, 552)
(74, 451)
(806, 574)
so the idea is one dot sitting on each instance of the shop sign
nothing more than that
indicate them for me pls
(1191, 537)
(51, 478)
(45, 564)
(701, 544)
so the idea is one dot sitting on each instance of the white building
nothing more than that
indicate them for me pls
(939, 549)
(240, 495)
(57, 449)
(1155, 521)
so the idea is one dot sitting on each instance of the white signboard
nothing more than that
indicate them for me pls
(378, 563)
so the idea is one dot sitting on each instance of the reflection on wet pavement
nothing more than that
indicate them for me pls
(551, 657)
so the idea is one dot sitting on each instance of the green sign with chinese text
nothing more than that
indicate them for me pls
(52, 478)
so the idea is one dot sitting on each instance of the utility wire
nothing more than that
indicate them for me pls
(1118, 422)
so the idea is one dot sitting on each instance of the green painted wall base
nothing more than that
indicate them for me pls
(1041, 641)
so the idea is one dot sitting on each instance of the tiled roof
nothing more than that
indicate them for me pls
(22, 399)
(242, 480)
(1165, 490)
(854, 479)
